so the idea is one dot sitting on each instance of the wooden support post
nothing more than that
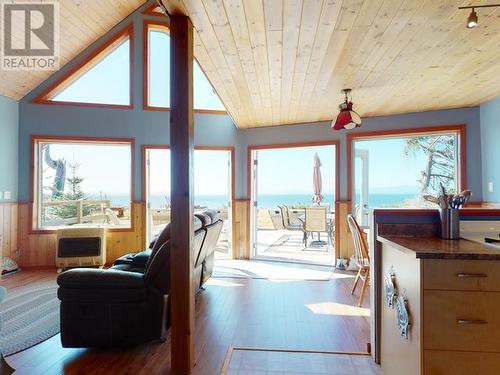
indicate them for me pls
(181, 238)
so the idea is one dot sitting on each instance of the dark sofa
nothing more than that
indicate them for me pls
(129, 303)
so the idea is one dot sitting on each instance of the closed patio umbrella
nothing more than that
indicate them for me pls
(317, 181)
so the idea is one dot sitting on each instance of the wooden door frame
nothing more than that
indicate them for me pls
(252, 148)
(146, 147)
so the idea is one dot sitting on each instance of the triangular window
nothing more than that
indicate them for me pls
(103, 79)
(157, 94)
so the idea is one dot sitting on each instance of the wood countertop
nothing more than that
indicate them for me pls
(437, 248)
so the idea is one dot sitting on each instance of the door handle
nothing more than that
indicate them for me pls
(471, 321)
(470, 275)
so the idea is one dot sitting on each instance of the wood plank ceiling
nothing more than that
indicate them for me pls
(82, 22)
(276, 62)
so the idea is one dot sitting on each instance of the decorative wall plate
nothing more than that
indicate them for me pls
(403, 316)
(390, 289)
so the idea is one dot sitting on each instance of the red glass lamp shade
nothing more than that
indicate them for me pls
(347, 118)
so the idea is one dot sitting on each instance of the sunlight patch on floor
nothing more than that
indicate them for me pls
(223, 282)
(332, 308)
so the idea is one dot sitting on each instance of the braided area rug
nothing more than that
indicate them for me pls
(30, 315)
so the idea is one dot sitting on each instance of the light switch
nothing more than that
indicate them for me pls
(1, 195)
(7, 195)
(490, 187)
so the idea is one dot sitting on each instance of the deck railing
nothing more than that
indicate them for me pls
(101, 205)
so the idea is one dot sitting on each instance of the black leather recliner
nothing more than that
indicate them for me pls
(203, 255)
(100, 308)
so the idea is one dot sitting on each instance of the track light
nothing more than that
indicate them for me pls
(472, 21)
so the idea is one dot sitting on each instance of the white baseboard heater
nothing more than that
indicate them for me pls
(81, 247)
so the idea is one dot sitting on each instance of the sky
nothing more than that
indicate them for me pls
(389, 169)
(211, 171)
(290, 170)
(104, 168)
(108, 81)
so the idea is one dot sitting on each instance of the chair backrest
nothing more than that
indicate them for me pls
(360, 246)
(285, 219)
(212, 224)
(157, 270)
(289, 214)
(315, 219)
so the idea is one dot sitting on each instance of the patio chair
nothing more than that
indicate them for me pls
(362, 256)
(316, 222)
(285, 218)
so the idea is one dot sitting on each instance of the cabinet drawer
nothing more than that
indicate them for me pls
(477, 275)
(456, 320)
(460, 363)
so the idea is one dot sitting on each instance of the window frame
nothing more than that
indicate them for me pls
(459, 130)
(34, 227)
(89, 61)
(164, 26)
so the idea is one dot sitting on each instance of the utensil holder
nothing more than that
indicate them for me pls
(450, 223)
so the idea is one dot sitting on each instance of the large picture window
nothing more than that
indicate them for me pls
(82, 183)
(103, 79)
(398, 170)
(157, 77)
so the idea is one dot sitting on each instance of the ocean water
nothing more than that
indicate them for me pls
(266, 200)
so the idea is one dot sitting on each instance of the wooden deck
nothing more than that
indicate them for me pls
(288, 246)
(306, 315)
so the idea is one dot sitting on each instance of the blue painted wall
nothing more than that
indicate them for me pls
(490, 148)
(322, 131)
(150, 127)
(9, 123)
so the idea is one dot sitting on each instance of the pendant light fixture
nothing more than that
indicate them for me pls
(472, 20)
(347, 118)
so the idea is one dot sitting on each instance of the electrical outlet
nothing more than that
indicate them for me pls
(490, 187)
(7, 195)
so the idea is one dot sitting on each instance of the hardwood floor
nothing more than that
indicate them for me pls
(312, 315)
(275, 362)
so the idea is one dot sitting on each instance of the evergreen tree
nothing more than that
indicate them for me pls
(73, 192)
(440, 162)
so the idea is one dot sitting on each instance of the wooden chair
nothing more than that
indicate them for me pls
(362, 257)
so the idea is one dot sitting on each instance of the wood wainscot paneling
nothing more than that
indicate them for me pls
(38, 249)
(241, 229)
(8, 230)
(343, 238)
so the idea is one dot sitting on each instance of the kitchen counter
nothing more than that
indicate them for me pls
(449, 292)
(437, 248)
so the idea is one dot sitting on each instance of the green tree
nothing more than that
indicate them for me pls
(73, 192)
(440, 164)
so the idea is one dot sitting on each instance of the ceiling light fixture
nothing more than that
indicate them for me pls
(162, 6)
(347, 118)
(472, 20)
